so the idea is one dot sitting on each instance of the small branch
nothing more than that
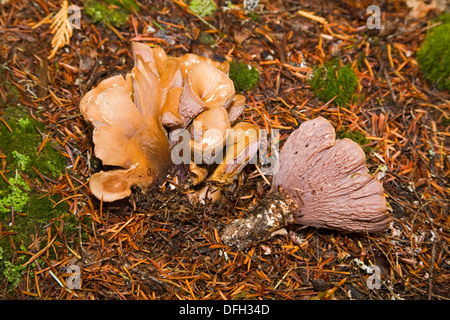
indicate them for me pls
(274, 214)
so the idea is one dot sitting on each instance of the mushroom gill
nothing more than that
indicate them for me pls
(329, 181)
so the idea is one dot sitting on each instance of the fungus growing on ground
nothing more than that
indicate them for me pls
(321, 182)
(241, 148)
(126, 134)
(134, 116)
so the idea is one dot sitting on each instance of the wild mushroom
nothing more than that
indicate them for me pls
(209, 133)
(123, 137)
(321, 182)
(236, 107)
(241, 148)
(130, 117)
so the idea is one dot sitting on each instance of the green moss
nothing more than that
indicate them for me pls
(11, 272)
(25, 209)
(332, 80)
(21, 145)
(254, 16)
(14, 195)
(37, 213)
(434, 54)
(356, 136)
(34, 212)
(206, 39)
(445, 121)
(244, 76)
(203, 7)
(113, 12)
(21, 159)
(11, 93)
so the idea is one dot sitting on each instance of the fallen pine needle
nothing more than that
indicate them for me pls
(69, 197)
(312, 17)
(391, 62)
(60, 27)
(56, 278)
(40, 252)
(120, 229)
(9, 128)
(262, 175)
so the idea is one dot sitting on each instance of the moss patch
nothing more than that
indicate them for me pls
(21, 142)
(14, 195)
(27, 210)
(37, 213)
(244, 76)
(434, 54)
(113, 12)
(128, 5)
(206, 39)
(445, 121)
(332, 80)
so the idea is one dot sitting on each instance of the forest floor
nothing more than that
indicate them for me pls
(159, 245)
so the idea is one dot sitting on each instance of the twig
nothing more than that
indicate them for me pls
(312, 17)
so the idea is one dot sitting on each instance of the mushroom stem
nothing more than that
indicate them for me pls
(274, 213)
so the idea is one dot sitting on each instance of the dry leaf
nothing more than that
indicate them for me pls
(60, 27)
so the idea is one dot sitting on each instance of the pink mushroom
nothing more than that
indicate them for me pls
(321, 182)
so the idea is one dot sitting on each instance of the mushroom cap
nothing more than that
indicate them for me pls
(170, 113)
(329, 181)
(209, 132)
(242, 146)
(126, 134)
(154, 57)
(130, 115)
(211, 85)
(206, 87)
(112, 185)
(236, 107)
(115, 119)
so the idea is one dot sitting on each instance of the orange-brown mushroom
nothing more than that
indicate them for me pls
(130, 116)
(128, 132)
(209, 134)
(155, 57)
(242, 145)
(236, 107)
(123, 137)
(206, 87)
